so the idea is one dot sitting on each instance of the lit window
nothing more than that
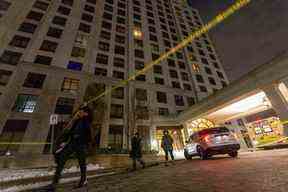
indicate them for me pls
(25, 103)
(196, 67)
(137, 33)
(70, 84)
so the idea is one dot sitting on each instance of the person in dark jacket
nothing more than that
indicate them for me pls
(79, 136)
(136, 151)
(167, 145)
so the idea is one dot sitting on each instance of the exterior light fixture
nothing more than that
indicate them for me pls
(137, 33)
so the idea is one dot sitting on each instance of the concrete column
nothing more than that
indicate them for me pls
(279, 104)
(105, 127)
(185, 130)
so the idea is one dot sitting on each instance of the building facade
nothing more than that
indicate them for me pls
(55, 54)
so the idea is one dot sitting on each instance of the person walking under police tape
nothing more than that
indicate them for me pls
(167, 145)
(76, 143)
(136, 151)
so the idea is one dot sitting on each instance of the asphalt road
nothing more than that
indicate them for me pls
(252, 171)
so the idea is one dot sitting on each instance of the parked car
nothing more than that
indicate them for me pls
(209, 142)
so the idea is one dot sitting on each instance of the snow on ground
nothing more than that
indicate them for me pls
(12, 175)
(43, 184)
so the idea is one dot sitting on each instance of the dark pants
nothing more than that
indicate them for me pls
(139, 160)
(79, 151)
(167, 151)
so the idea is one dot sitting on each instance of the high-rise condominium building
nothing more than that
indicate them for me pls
(55, 54)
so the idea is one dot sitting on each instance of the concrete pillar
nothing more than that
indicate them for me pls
(104, 139)
(279, 104)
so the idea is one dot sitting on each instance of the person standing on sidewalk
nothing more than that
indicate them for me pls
(167, 145)
(136, 151)
(79, 136)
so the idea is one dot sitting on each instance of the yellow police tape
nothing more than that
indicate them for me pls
(219, 18)
(24, 143)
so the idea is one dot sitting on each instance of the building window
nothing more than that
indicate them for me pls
(118, 93)
(4, 76)
(184, 76)
(157, 69)
(117, 111)
(173, 73)
(74, 66)
(34, 80)
(141, 94)
(119, 62)
(100, 71)
(176, 85)
(205, 61)
(161, 97)
(19, 41)
(54, 32)
(220, 75)
(107, 25)
(190, 101)
(208, 70)
(187, 87)
(181, 65)
(140, 78)
(64, 106)
(25, 103)
(163, 111)
(35, 16)
(203, 88)
(171, 63)
(212, 81)
(89, 8)
(10, 57)
(91, 1)
(87, 17)
(84, 28)
(102, 59)
(105, 35)
(216, 65)
(41, 5)
(153, 38)
(63, 10)
(27, 27)
(103, 46)
(68, 2)
(107, 16)
(78, 52)
(139, 53)
(139, 65)
(199, 78)
(59, 21)
(159, 81)
(70, 84)
(120, 29)
(115, 136)
(49, 46)
(224, 84)
(118, 74)
(119, 50)
(43, 60)
(179, 101)
(120, 39)
(4, 5)
(120, 20)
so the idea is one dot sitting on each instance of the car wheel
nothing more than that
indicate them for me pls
(202, 153)
(187, 156)
(233, 154)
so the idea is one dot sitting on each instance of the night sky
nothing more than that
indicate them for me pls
(249, 38)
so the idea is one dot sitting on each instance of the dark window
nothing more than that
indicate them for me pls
(205, 61)
(153, 37)
(27, 27)
(67, 2)
(212, 81)
(141, 78)
(176, 85)
(43, 60)
(184, 76)
(139, 53)
(100, 71)
(84, 28)
(10, 57)
(19, 41)
(107, 25)
(159, 81)
(190, 101)
(4, 5)
(4, 77)
(220, 74)
(119, 50)
(91, 1)
(64, 10)
(87, 17)
(138, 43)
(41, 5)
(208, 70)
(25, 103)
(187, 87)
(35, 15)
(64, 105)
(216, 65)
(48, 46)
(181, 65)
(118, 74)
(103, 46)
(108, 8)
(171, 63)
(155, 56)
(115, 136)
(119, 62)
(120, 39)
(118, 93)
(120, 20)
(59, 21)
(78, 52)
(173, 73)
(54, 32)
(34, 80)
(110, 1)
(152, 29)
(163, 111)
(89, 8)
(107, 16)
(121, 12)
(117, 111)
(203, 88)
(224, 84)
(161, 97)
(199, 78)
(102, 59)
(75, 66)
(139, 65)
(105, 35)
(120, 29)
(157, 69)
(141, 94)
(179, 101)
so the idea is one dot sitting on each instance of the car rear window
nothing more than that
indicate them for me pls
(213, 131)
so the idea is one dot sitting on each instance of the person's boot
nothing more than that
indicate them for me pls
(83, 181)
